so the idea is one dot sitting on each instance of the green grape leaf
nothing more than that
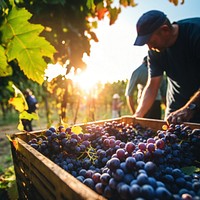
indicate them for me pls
(5, 69)
(24, 44)
(90, 4)
(190, 170)
(29, 116)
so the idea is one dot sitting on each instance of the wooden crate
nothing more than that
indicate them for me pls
(39, 178)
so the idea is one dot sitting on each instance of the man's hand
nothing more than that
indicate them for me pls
(182, 115)
(136, 114)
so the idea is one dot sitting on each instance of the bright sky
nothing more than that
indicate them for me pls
(114, 57)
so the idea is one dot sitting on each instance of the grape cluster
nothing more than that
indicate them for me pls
(126, 161)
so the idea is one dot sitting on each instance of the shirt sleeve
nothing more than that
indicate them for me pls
(155, 64)
(139, 76)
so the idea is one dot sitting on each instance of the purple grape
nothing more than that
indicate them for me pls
(108, 192)
(48, 133)
(120, 153)
(151, 147)
(128, 178)
(52, 128)
(105, 177)
(152, 181)
(140, 164)
(142, 179)
(118, 175)
(147, 192)
(99, 187)
(89, 182)
(150, 168)
(130, 163)
(112, 143)
(139, 156)
(35, 146)
(89, 173)
(163, 193)
(113, 183)
(142, 146)
(96, 177)
(80, 178)
(113, 164)
(130, 147)
(124, 191)
(135, 191)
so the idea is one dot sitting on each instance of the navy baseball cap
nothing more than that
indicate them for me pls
(147, 24)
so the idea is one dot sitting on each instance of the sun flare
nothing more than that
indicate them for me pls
(111, 59)
(86, 80)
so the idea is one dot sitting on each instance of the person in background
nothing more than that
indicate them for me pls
(174, 48)
(32, 107)
(116, 106)
(137, 82)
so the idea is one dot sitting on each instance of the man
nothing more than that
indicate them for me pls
(32, 107)
(137, 82)
(175, 49)
(116, 106)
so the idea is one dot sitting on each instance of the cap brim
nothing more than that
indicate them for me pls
(142, 40)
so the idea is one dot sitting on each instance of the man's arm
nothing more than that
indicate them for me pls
(130, 103)
(139, 76)
(185, 113)
(148, 96)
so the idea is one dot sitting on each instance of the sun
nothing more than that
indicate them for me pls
(86, 80)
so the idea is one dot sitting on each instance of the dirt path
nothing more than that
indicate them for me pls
(5, 151)
(6, 161)
(6, 158)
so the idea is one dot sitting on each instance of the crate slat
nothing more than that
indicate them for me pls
(154, 124)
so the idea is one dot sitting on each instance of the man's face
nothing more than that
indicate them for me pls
(158, 41)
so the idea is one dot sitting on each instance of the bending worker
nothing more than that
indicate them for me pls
(174, 48)
(137, 83)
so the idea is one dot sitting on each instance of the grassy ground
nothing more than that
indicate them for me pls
(8, 126)
(7, 176)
